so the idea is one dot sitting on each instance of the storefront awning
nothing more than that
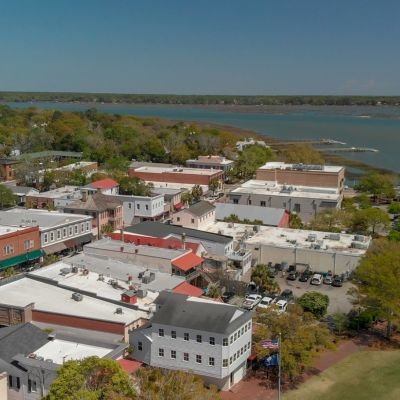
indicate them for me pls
(79, 240)
(13, 261)
(54, 248)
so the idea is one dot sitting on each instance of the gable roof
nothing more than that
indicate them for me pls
(157, 229)
(106, 183)
(200, 208)
(95, 202)
(188, 312)
(20, 339)
(187, 262)
(268, 216)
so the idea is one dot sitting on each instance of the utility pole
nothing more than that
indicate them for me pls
(279, 365)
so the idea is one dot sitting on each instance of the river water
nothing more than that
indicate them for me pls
(375, 127)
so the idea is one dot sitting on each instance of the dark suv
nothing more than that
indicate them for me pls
(337, 281)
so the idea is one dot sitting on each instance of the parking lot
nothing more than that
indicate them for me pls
(339, 301)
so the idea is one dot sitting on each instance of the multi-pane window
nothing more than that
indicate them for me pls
(29, 244)
(234, 357)
(198, 339)
(242, 330)
(46, 238)
(225, 362)
(186, 336)
(185, 356)
(58, 234)
(231, 340)
(238, 354)
(32, 386)
(212, 340)
(230, 360)
(87, 226)
(64, 232)
(173, 334)
(241, 351)
(161, 352)
(76, 228)
(9, 249)
(173, 353)
(225, 341)
(211, 361)
(198, 358)
(235, 336)
(51, 236)
(140, 346)
(70, 230)
(161, 332)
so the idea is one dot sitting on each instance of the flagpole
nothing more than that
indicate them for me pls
(279, 366)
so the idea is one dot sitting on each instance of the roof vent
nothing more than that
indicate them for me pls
(118, 310)
(77, 296)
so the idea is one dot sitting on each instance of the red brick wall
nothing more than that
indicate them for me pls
(39, 202)
(17, 239)
(78, 322)
(176, 177)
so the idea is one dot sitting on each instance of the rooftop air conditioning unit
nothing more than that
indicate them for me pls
(118, 310)
(77, 296)
(142, 293)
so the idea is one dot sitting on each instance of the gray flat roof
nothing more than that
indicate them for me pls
(43, 218)
(157, 229)
(268, 216)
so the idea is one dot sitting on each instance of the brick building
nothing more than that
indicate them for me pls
(7, 170)
(18, 245)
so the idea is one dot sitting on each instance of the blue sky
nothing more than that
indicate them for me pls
(205, 47)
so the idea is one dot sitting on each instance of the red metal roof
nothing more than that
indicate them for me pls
(129, 366)
(188, 289)
(106, 183)
(187, 262)
(156, 242)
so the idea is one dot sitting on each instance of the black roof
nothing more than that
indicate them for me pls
(200, 208)
(20, 339)
(176, 310)
(157, 229)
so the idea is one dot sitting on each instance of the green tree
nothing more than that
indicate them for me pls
(295, 221)
(197, 192)
(302, 153)
(314, 302)
(187, 198)
(340, 322)
(369, 220)
(302, 338)
(214, 185)
(251, 158)
(213, 291)
(158, 384)
(394, 208)
(261, 277)
(377, 280)
(330, 220)
(379, 185)
(134, 186)
(7, 198)
(92, 378)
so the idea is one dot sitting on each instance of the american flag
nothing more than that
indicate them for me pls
(270, 344)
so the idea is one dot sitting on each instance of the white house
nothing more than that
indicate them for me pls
(196, 216)
(196, 335)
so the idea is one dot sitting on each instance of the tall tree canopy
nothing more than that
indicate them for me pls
(377, 184)
(7, 198)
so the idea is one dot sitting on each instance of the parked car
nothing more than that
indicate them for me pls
(227, 296)
(305, 276)
(328, 280)
(266, 302)
(337, 281)
(316, 279)
(281, 306)
(251, 301)
(286, 294)
(292, 276)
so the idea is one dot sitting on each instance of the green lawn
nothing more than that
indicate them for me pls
(367, 375)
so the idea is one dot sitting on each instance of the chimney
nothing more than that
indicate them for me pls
(84, 195)
(184, 241)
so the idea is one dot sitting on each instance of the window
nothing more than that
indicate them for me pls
(76, 228)
(29, 244)
(211, 361)
(161, 332)
(297, 207)
(212, 341)
(87, 226)
(248, 345)
(161, 352)
(234, 357)
(238, 354)
(245, 347)
(249, 202)
(173, 353)
(235, 201)
(262, 203)
(64, 232)
(46, 237)
(249, 325)
(9, 249)
(51, 236)
(82, 227)
(70, 230)
(138, 206)
(186, 336)
(178, 219)
(173, 334)
(242, 330)
(185, 356)
(129, 205)
(58, 234)
(231, 341)
(147, 206)
(198, 358)
(140, 346)
(198, 339)
(225, 362)
(235, 336)
(241, 351)
(225, 341)
(32, 387)
(192, 220)
(230, 360)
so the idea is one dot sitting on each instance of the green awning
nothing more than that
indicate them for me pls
(13, 261)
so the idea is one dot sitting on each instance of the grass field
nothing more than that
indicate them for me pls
(367, 375)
